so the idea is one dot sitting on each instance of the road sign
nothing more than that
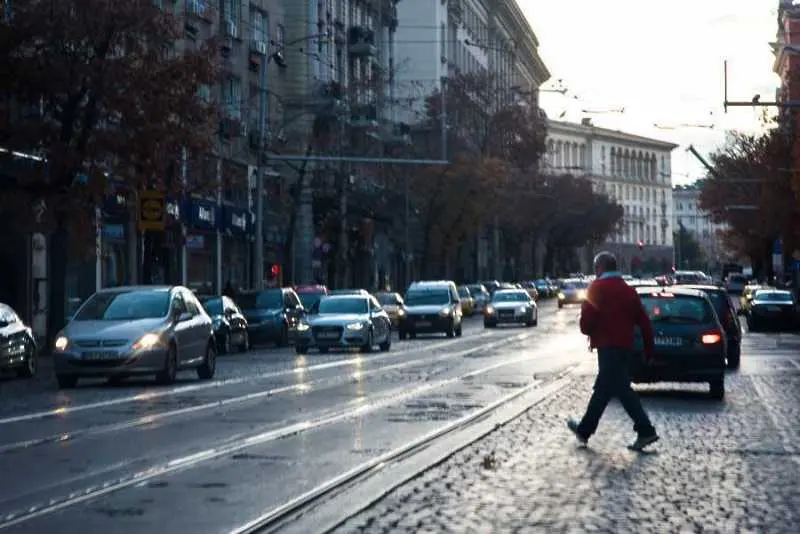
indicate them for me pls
(152, 211)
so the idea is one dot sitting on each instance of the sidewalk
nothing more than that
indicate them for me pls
(719, 467)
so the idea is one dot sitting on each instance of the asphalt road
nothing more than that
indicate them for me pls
(206, 457)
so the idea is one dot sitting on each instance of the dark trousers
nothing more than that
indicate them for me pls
(613, 380)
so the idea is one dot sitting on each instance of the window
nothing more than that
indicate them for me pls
(232, 10)
(232, 96)
(280, 36)
(259, 24)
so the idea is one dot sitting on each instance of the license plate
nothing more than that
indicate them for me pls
(328, 335)
(99, 355)
(773, 308)
(668, 342)
(423, 323)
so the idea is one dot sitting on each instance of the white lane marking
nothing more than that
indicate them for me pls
(155, 417)
(150, 395)
(380, 462)
(191, 460)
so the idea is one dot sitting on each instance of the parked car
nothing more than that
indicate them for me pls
(18, 350)
(775, 308)
(432, 307)
(136, 330)
(345, 321)
(393, 305)
(230, 324)
(272, 315)
(511, 306)
(723, 305)
(467, 302)
(690, 343)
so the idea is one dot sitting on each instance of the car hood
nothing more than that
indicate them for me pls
(337, 319)
(128, 330)
(422, 310)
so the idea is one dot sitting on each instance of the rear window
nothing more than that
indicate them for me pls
(774, 296)
(677, 308)
(738, 278)
(271, 299)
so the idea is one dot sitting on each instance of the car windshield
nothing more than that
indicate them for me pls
(428, 298)
(575, 285)
(388, 299)
(773, 296)
(213, 306)
(510, 296)
(125, 306)
(541, 283)
(677, 308)
(271, 299)
(310, 298)
(343, 305)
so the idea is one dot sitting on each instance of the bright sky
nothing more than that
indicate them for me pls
(663, 62)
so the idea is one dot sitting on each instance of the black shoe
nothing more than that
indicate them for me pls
(572, 424)
(642, 442)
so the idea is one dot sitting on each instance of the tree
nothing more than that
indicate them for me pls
(751, 190)
(98, 90)
(688, 251)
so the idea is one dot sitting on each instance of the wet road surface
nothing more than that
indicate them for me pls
(206, 457)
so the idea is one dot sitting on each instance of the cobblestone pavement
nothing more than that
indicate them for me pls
(729, 466)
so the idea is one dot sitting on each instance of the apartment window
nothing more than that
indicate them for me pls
(232, 10)
(259, 24)
(232, 96)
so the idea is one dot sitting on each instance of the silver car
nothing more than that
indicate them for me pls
(139, 330)
(511, 306)
(343, 322)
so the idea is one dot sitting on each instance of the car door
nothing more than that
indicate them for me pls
(181, 326)
(201, 327)
(454, 298)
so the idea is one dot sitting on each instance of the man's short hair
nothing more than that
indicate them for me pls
(606, 261)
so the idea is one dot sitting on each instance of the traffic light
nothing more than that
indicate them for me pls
(275, 271)
(640, 244)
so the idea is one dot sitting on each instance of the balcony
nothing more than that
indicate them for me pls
(361, 42)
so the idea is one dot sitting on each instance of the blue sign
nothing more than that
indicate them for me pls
(204, 214)
(114, 232)
(236, 221)
(796, 266)
(116, 203)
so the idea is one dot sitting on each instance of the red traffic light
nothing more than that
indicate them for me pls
(275, 270)
(640, 244)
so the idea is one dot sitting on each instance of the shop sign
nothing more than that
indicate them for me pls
(114, 232)
(204, 214)
(152, 211)
(236, 220)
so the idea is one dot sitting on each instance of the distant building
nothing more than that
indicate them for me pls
(634, 171)
(688, 214)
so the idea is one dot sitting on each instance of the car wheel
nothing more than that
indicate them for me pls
(535, 321)
(284, 339)
(66, 381)
(324, 350)
(301, 349)
(367, 347)
(459, 330)
(207, 369)
(488, 325)
(451, 329)
(387, 343)
(734, 357)
(412, 335)
(245, 344)
(31, 364)
(170, 371)
(560, 305)
(717, 388)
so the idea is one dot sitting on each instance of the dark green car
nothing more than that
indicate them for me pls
(690, 342)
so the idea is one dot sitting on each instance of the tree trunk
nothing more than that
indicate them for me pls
(57, 258)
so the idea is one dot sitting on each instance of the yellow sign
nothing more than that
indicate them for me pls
(152, 211)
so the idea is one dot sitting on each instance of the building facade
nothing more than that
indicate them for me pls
(437, 39)
(632, 170)
(688, 215)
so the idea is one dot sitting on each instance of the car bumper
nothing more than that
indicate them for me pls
(264, 332)
(670, 366)
(515, 318)
(114, 363)
(344, 339)
(426, 323)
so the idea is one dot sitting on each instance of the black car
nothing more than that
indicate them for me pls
(18, 352)
(774, 308)
(721, 300)
(690, 343)
(230, 326)
(272, 314)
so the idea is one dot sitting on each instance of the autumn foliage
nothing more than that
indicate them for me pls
(751, 190)
(99, 91)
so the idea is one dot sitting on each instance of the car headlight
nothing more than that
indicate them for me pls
(303, 327)
(401, 312)
(560, 295)
(147, 342)
(61, 343)
(522, 309)
(489, 310)
(581, 294)
(355, 326)
(444, 312)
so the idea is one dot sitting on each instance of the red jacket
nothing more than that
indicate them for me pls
(611, 312)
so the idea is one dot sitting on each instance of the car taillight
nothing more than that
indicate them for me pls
(711, 338)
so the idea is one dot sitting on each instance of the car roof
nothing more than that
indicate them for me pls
(511, 290)
(688, 291)
(705, 287)
(348, 296)
(125, 289)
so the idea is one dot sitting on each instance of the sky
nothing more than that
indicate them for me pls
(662, 61)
